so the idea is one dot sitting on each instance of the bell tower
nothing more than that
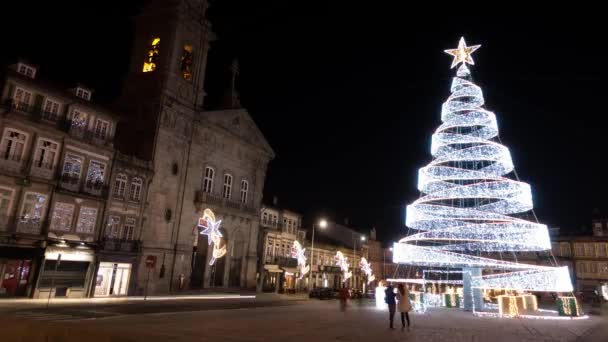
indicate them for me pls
(170, 51)
(162, 101)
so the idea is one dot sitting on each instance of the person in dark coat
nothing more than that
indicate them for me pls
(389, 298)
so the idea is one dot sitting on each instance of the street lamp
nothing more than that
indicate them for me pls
(322, 224)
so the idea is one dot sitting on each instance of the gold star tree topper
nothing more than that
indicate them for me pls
(463, 53)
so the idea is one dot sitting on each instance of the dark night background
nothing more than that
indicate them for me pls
(348, 95)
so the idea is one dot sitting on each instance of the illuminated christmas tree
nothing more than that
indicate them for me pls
(471, 211)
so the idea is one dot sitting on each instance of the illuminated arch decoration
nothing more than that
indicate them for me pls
(468, 206)
(366, 268)
(211, 228)
(342, 261)
(298, 253)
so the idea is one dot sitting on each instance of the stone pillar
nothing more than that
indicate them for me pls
(473, 297)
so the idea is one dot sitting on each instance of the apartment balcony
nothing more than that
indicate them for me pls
(121, 245)
(96, 188)
(205, 198)
(45, 170)
(6, 223)
(12, 164)
(69, 183)
(282, 261)
(29, 225)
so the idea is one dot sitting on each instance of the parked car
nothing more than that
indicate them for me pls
(322, 293)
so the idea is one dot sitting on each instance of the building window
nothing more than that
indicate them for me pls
(72, 167)
(592, 267)
(579, 249)
(50, 110)
(113, 227)
(244, 190)
(86, 220)
(79, 121)
(208, 179)
(22, 99)
(120, 184)
(128, 230)
(186, 63)
(46, 154)
(601, 249)
(565, 250)
(152, 56)
(135, 191)
(101, 129)
(227, 189)
(26, 70)
(83, 93)
(32, 213)
(301, 235)
(6, 200)
(95, 174)
(13, 144)
(61, 220)
(589, 249)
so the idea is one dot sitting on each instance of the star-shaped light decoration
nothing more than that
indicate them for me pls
(463, 53)
(298, 253)
(211, 228)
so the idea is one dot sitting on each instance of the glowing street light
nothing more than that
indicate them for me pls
(322, 224)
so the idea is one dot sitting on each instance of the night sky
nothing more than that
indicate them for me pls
(349, 95)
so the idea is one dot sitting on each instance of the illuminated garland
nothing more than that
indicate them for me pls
(298, 253)
(467, 205)
(366, 268)
(211, 228)
(342, 261)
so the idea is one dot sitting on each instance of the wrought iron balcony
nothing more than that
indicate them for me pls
(202, 197)
(13, 164)
(121, 245)
(282, 261)
(43, 170)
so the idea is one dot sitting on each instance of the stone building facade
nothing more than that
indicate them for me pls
(56, 155)
(279, 229)
(201, 159)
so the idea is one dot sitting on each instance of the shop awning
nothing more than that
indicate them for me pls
(273, 269)
(292, 270)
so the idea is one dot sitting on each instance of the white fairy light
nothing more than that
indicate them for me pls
(468, 205)
(366, 268)
(342, 261)
(211, 228)
(298, 253)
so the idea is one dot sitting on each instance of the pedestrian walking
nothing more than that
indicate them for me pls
(389, 299)
(403, 298)
(344, 295)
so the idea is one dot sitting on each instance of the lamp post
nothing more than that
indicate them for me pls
(322, 224)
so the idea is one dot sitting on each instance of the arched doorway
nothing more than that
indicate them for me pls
(199, 263)
(237, 252)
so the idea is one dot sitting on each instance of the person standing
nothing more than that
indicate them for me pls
(389, 299)
(344, 295)
(403, 298)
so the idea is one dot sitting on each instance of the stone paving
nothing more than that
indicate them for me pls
(313, 321)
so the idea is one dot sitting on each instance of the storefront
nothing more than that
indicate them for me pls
(289, 279)
(66, 272)
(272, 277)
(17, 270)
(112, 279)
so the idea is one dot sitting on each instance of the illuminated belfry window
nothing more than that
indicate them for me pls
(152, 56)
(187, 62)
